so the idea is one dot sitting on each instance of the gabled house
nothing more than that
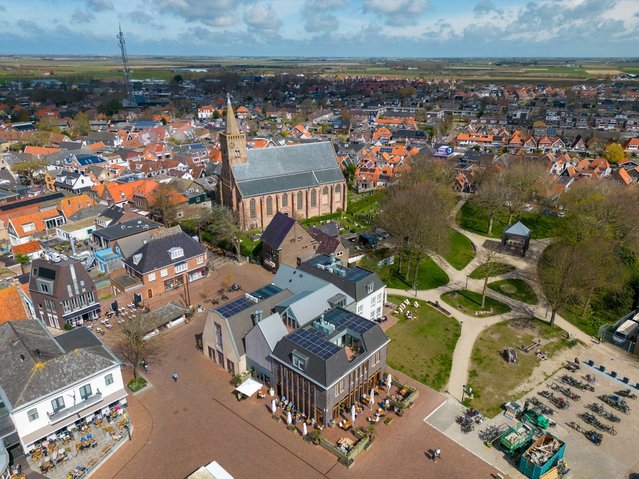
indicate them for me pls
(326, 366)
(62, 293)
(166, 261)
(24, 228)
(49, 383)
(365, 287)
(73, 182)
(284, 241)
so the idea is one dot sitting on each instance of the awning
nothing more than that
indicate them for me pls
(249, 387)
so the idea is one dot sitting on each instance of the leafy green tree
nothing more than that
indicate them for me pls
(614, 153)
(29, 169)
(81, 126)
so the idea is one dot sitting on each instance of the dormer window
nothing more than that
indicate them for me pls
(176, 252)
(370, 287)
(137, 258)
(299, 360)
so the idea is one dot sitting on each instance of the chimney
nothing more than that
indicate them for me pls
(258, 316)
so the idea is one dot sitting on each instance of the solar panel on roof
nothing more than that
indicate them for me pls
(314, 343)
(266, 292)
(234, 307)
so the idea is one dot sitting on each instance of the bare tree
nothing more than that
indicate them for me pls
(163, 203)
(559, 274)
(487, 261)
(522, 181)
(131, 345)
(491, 196)
(418, 215)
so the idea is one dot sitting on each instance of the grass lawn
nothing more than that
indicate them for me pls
(496, 269)
(473, 217)
(469, 302)
(429, 276)
(460, 251)
(422, 348)
(515, 288)
(491, 378)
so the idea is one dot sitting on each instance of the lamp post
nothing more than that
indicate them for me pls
(127, 425)
(466, 287)
(463, 392)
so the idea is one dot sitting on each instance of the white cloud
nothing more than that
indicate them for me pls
(214, 13)
(485, 7)
(82, 16)
(323, 22)
(261, 18)
(398, 12)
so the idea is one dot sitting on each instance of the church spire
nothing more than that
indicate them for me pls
(231, 122)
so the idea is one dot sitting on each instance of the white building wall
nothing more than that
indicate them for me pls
(372, 306)
(25, 427)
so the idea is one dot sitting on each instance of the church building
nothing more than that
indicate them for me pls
(300, 181)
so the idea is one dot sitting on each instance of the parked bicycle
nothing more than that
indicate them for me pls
(566, 391)
(589, 378)
(603, 412)
(545, 410)
(566, 379)
(616, 402)
(627, 393)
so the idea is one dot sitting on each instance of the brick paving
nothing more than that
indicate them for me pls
(180, 426)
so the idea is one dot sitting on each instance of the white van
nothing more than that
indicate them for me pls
(627, 331)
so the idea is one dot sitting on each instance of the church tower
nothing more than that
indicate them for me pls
(233, 149)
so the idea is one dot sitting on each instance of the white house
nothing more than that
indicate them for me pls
(48, 383)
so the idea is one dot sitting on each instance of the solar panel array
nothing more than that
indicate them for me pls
(266, 292)
(350, 321)
(314, 343)
(234, 307)
(356, 274)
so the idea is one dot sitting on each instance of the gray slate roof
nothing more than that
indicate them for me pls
(354, 282)
(296, 280)
(155, 253)
(126, 228)
(305, 306)
(324, 371)
(163, 315)
(91, 211)
(285, 168)
(277, 230)
(518, 229)
(35, 365)
(241, 323)
(272, 329)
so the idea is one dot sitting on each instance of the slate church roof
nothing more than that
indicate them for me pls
(285, 168)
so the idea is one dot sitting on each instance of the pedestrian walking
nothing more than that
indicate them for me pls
(437, 455)
(174, 376)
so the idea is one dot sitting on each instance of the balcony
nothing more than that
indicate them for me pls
(69, 411)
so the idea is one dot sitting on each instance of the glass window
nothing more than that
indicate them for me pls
(325, 195)
(58, 404)
(164, 272)
(269, 205)
(285, 200)
(108, 379)
(218, 336)
(32, 414)
(313, 198)
(300, 200)
(151, 276)
(252, 213)
(85, 391)
(179, 268)
(200, 259)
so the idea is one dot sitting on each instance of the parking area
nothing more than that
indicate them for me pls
(615, 457)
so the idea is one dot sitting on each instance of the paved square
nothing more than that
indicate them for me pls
(181, 426)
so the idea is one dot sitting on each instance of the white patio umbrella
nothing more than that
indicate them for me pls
(389, 381)
(289, 418)
(372, 398)
(304, 429)
(353, 413)
(273, 406)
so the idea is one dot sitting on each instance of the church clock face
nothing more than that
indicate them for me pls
(232, 144)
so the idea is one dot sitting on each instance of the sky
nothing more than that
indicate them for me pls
(326, 28)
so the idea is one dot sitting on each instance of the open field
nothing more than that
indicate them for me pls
(422, 348)
(493, 380)
(512, 70)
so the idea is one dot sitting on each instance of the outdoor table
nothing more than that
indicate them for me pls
(46, 466)
(347, 425)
